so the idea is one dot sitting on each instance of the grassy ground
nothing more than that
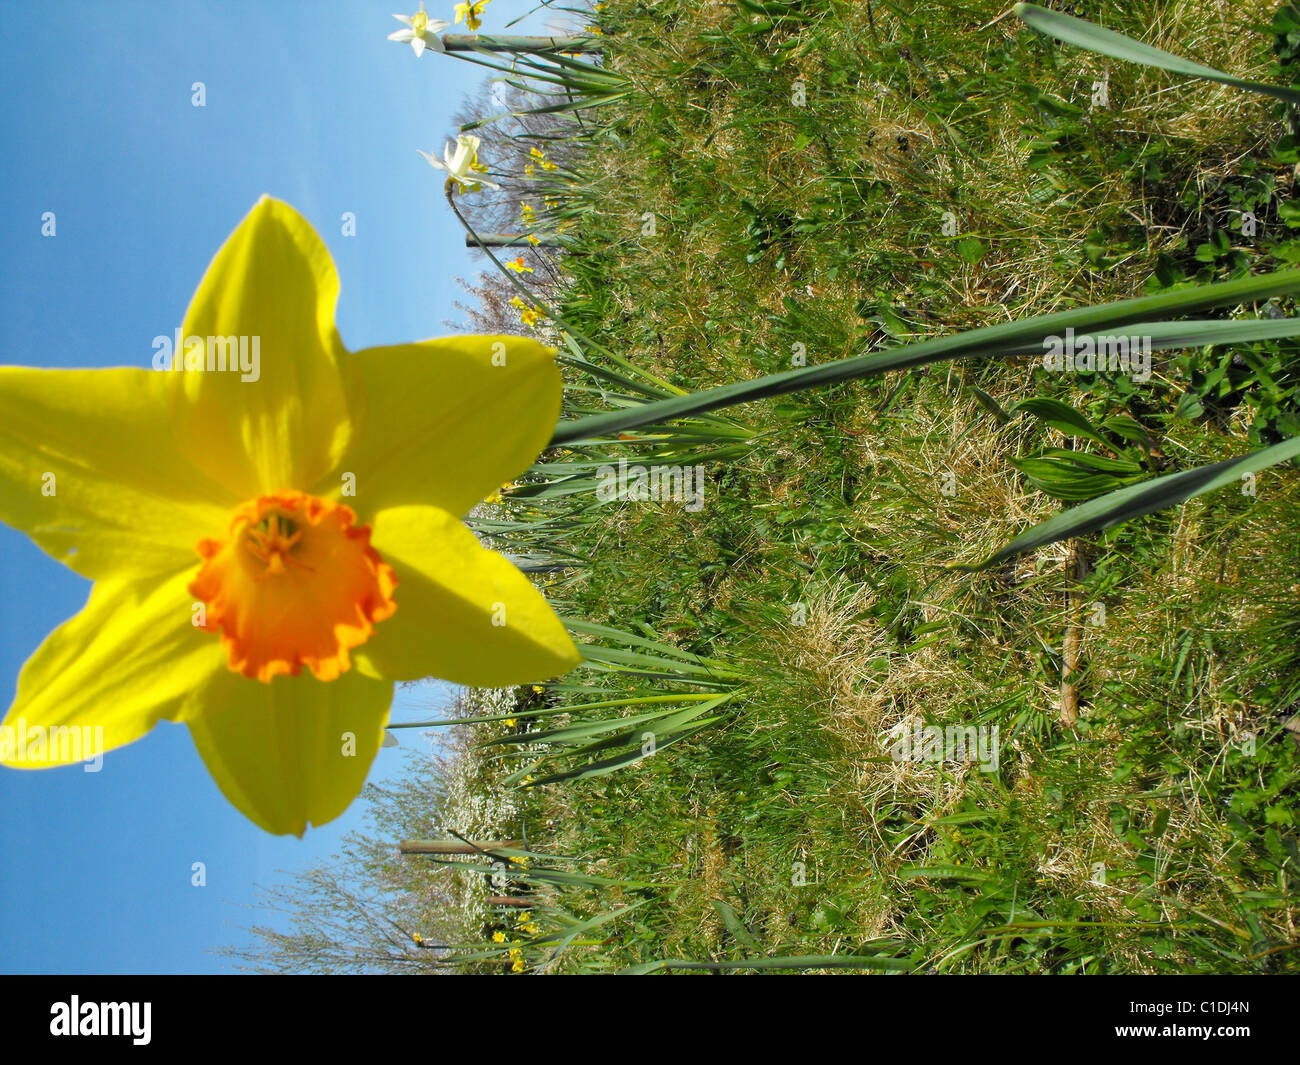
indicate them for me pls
(827, 178)
(1142, 839)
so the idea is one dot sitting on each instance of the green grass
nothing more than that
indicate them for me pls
(1159, 833)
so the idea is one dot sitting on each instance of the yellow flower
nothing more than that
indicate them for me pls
(538, 689)
(522, 862)
(527, 315)
(539, 155)
(530, 170)
(469, 13)
(533, 239)
(417, 937)
(245, 518)
(510, 722)
(517, 265)
(498, 937)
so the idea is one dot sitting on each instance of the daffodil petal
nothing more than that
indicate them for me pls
(445, 421)
(90, 470)
(283, 422)
(464, 613)
(130, 659)
(293, 752)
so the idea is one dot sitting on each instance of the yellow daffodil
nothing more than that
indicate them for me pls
(528, 315)
(540, 156)
(517, 265)
(421, 31)
(469, 13)
(462, 163)
(241, 523)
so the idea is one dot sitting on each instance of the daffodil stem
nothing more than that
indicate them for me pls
(483, 42)
(1009, 339)
(510, 240)
(443, 846)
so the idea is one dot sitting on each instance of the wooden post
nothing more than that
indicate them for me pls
(509, 900)
(487, 42)
(452, 846)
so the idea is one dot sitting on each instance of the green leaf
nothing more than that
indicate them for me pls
(1139, 499)
(1092, 38)
(1062, 417)
(1010, 338)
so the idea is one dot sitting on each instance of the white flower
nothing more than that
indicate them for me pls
(420, 31)
(463, 165)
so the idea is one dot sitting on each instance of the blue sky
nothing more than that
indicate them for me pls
(306, 101)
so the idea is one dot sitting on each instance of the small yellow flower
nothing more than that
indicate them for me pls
(520, 861)
(511, 722)
(538, 689)
(533, 239)
(517, 265)
(417, 937)
(517, 966)
(469, 13)
(528, 315)
(498, 937)
(530, 170)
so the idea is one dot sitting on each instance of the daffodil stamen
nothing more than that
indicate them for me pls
(296, 583)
